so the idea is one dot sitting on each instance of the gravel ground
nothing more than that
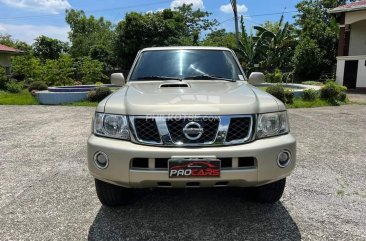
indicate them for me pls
(46, 192)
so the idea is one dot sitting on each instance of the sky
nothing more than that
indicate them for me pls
(27, 19)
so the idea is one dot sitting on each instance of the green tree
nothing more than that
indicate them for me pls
(196, 20)
(308, 58)
(92, 71)
(88, 32)
(8, 41)
(140, 30)
(182, 26)
(220, 38)
(25, 67)
(56, 72)
(320, 30)
(48, 48)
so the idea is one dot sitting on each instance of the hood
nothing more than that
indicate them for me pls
(199, 98)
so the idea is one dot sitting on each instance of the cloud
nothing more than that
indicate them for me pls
(52, 6)
(228, 8)
(197, 4)
(156, 11)
(27, 33)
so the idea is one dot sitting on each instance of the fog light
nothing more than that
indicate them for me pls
(101, 160)
(284, 159)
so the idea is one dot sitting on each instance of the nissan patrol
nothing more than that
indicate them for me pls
(189, 117)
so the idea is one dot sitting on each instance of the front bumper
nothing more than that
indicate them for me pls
(120, 153)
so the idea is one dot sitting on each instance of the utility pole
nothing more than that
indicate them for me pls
(234, 5)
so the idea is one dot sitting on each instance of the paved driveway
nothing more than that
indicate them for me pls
(46, 192)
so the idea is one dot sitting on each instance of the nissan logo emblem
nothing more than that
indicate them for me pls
(193, 131)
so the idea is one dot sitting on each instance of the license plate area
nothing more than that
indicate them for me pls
(194, 168)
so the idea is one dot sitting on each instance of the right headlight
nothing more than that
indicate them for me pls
(114, 126)
(272, 124)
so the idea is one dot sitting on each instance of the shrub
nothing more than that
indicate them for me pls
(3, 78)
(98, 94)
(56, 72)
(14, 87)
(37, 85)
(277, 91)
(275, 77)
(342, 97)
(331, 92)
(289, 97)
(99, 83)
(310, 95)
(27, 82)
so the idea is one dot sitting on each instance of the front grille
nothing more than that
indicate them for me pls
(239, 128)
(192, 130)
(146, 130)
(209, 126)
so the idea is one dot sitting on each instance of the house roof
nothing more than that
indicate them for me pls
(355, 6)
(9, 50)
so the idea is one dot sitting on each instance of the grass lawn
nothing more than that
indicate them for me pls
(83, 103)
(264, 88)
(22, 98)
(25, 98)
(300, 103)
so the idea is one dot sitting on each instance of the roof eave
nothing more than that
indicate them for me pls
(12, 52)
(342, 10)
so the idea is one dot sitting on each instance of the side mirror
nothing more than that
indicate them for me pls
(256, 78)
(118, 79)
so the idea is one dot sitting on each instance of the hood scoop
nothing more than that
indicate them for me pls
(174, 85)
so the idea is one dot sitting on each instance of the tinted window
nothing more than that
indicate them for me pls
(186, 63)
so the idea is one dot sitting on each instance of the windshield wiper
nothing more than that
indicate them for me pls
(158, 77)
(209, 77)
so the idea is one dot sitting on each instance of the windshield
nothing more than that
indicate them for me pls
(186, 64)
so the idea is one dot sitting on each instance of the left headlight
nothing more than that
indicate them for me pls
(114, 126)
(272, 124)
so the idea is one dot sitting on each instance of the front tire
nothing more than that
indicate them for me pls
(270, 193)
(112, 195)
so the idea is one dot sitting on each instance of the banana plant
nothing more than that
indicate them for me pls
(278, 44)
(250, 49)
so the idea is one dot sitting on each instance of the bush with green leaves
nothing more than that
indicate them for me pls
(333, 92)
(57, 72)
(289, 97)
(14, 87)
(310, 95)
(278, 91)
(275, 77)
(37, 85)
(342, 97)
(98, 94)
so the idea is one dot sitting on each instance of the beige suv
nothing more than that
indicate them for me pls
(187, 117)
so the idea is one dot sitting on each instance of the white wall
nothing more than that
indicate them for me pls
(361, 71)
(340, 71)
(357, 44)
(361, 75)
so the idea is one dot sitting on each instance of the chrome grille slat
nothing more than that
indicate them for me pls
(168, 131)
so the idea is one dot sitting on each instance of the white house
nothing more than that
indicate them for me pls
(5, 54)
(351, 59)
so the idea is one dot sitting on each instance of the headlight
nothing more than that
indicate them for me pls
(272, 124)
(115, 126)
